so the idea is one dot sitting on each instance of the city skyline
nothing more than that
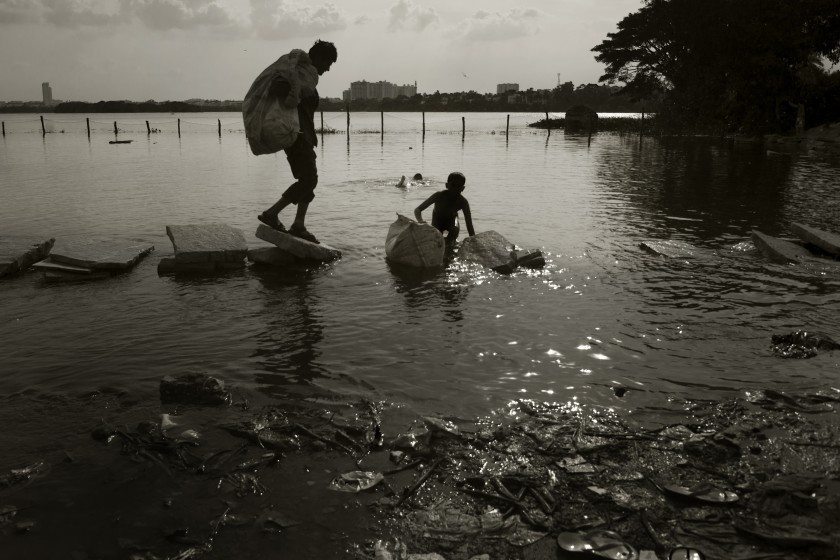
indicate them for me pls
(179, 49)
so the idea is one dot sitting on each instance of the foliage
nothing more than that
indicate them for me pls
(727, 64)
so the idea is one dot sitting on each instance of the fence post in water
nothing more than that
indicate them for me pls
(179, 128)
(148, 129)
(463, 127)
(322, 124)
(87, 124)
(116, 132)
(347, 110)
(43, 130)
(548, 123)
(382, 123)
(424, 126)
(4, 129)
(507, 126)
(220, 127)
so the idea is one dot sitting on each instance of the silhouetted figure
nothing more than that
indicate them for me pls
(301, 154)
(447, 205)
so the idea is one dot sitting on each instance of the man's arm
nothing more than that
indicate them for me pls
(282, 90)
(468, 218)
(426, 203)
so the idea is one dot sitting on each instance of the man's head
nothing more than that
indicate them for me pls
(323, 54)
(456, 181)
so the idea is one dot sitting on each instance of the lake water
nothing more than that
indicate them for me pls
(602, 312)
(458, 343)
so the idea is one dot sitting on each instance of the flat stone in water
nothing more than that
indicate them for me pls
(488, 248)
(668, 248)
(296, 246)
(779, 250)
(825, 240)
(18, 253)
(272, 256)
(208, 243)
(100, 255)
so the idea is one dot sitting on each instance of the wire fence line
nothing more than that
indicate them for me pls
(332, 123)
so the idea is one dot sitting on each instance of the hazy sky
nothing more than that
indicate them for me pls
(179, 49)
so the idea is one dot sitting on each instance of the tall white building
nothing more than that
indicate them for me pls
(46, 91)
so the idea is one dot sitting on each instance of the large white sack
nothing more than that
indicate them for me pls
(269, 125)
(412, 244)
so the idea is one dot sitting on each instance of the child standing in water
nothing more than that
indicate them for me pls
(447, 204)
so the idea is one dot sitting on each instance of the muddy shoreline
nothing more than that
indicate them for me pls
(104, 475)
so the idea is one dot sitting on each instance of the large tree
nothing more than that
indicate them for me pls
(737, 64)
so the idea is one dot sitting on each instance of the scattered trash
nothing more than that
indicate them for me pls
(356, 481)
(602, 543)
(702, 492)
(575, 464)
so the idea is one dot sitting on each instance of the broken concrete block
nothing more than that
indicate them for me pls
(272, 256)
(100, 255)
(195, 388)
(779, 250)
(203, 243)
(488, 248)
(18, 253)
(825, 240)
(668, 248)
(296, 246)
(166, 265)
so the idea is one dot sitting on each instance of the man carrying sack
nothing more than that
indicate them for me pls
(279, 113)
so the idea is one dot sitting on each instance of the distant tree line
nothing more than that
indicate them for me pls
(752, 66)
(603, 98)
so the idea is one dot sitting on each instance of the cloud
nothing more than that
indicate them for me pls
(164, 15)
(283, 20)
(405, 14)
(19, 11)
(498, 26)
(361, 20)
(78, 13)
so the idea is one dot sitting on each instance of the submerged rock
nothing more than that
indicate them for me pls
(194, 389)
(802, 344)
(19, 253)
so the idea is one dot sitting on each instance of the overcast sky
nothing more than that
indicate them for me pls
(91, 50)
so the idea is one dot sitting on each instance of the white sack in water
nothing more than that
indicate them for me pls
(412, 244)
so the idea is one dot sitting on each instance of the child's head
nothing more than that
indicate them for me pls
(456, 181)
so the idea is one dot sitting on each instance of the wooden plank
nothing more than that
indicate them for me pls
(825, 240)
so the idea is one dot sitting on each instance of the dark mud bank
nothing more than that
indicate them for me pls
(108, 475)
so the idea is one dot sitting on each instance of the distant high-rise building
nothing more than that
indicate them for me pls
(379, 90)
(46, 90)
(504, 88)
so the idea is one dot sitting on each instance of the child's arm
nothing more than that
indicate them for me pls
(426, 203)
(468, 218)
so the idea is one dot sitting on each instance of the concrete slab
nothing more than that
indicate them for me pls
(668, 248)
(18, 253)
(202, 243)
(58, 276)
(825, 240)
(296, 246)
(488, 248)
(779, 250)
(99, 255)
(271, 256)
